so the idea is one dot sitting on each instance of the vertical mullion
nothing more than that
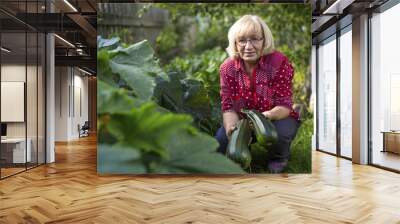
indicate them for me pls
(69, 93)
(26, 86)
(80, 102)
(338, 98)
(61, 74)
(73, 93)
(37, 89)
(317, 97)
(45, 88)
(369, 88)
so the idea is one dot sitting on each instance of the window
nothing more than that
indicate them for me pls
(346, 75)
(385, 87)
(327, 95)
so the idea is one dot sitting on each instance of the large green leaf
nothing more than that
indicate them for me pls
(104, 71)
(169, 93)
(202, 101)
(137, 67)
(196, 100)
(182, 95)
(166, 143)
(111, 99)
(196, 153)
(145, 128)
(119, 160)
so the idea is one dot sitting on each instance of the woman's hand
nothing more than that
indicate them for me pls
(267, 114)
(277, 113)
(230, 131)
(230, 119)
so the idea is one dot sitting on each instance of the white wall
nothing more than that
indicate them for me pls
(13, 72)
(71, 94)
(33, 126)
(80, 109)
(16, 72)
(61, 103)
(13, 101)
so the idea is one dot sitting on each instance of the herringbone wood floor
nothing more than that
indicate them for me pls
(70, 191)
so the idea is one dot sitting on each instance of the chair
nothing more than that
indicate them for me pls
(84, 130)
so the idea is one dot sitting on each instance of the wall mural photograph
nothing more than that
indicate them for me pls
(204, 88)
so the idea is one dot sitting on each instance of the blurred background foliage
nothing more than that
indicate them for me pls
(196, 37)
(193, 37)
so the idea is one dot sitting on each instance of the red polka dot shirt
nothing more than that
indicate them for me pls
(270, 85)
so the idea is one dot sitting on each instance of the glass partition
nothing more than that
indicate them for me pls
(41, 90)
(385, 89)
(346, 93)
(14, 151)
(22, 77)
(327, 95)
(32, 95)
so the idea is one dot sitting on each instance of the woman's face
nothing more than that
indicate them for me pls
(250, 47)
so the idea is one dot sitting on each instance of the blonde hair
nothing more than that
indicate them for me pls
(245, 25)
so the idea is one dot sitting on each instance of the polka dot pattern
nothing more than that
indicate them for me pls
(268, 87)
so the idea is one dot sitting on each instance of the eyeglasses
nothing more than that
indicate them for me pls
(253, 41)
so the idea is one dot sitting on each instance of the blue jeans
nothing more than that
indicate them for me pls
(286, 128)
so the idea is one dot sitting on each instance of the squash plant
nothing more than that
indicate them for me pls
(135, 134)
(204, 67)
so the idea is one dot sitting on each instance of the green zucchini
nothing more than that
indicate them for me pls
(265, 131)
(238, 146)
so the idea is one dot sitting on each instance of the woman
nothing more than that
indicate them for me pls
(255, 76)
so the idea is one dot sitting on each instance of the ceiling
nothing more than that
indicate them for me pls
(74, 22)
(329, 15)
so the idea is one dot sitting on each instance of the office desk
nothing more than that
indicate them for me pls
(13, 150)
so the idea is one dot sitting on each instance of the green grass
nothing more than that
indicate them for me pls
(300, 152)
(300, 158)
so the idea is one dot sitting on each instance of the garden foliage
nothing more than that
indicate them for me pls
(198, 29)
(137, 135)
